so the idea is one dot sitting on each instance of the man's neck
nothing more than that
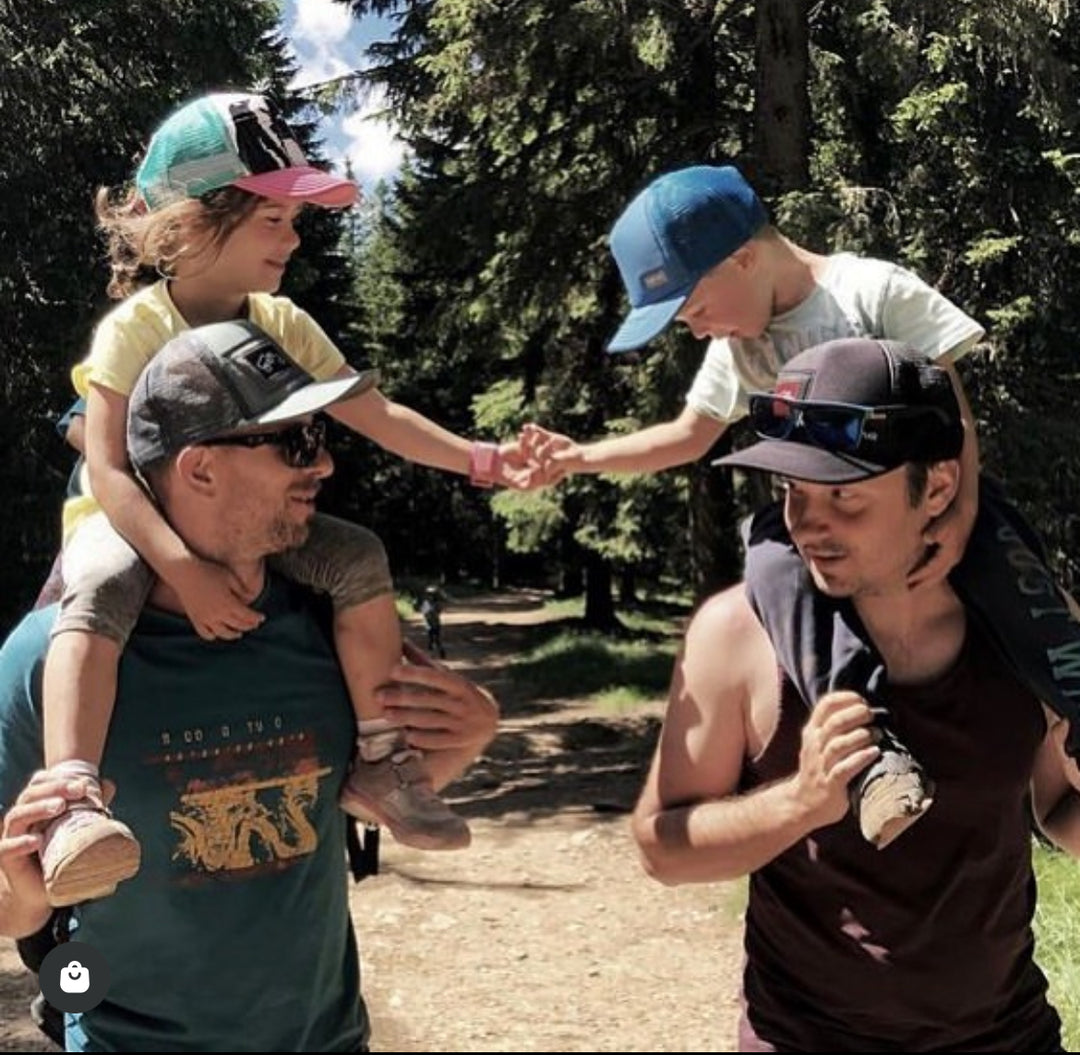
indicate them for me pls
(249, 580)
(919, 633)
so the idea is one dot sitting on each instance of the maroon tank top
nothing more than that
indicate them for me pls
(927, 944)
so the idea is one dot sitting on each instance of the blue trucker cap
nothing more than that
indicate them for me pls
(678, 228)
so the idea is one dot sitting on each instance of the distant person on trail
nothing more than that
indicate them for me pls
(431, 610)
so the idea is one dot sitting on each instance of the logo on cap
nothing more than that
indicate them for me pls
(791, 387)
(263, 139)
(267, 361)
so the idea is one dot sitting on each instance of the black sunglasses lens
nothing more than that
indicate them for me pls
(772, 418)
(302, 444)
(833, 429)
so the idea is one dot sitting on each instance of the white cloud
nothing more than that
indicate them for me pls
(321, 21)
(319, 31)
(328, 42)
(371, 145)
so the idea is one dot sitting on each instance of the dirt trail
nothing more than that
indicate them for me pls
(544, 935)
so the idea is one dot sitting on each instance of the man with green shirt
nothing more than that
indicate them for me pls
(235, 934)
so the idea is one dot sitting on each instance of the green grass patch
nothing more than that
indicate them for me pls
(1057, 935)
(579, 664)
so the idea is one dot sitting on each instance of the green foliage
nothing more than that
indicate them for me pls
(530, 125)
(1057, 936)
(83, 85)
(532, 518)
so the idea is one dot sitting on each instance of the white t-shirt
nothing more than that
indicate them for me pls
(856, 297)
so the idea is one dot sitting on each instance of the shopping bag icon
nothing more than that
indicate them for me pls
(75, 978)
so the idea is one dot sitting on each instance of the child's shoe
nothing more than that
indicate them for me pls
(86, 852)
(396, 792)
(892, 794)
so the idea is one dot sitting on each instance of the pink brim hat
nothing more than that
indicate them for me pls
(302, 183)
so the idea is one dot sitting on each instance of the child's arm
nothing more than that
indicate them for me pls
(208, 593)
(677, 442)
(418, 439)
(949, 533)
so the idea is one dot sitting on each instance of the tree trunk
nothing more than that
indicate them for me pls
(599, 606)
(782, 98)
(715, 548)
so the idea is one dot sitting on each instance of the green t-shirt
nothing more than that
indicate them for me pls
(228, 757)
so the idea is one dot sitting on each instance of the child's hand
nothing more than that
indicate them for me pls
(515, 470)
(212, 599)
(556, 455)
(946, 538)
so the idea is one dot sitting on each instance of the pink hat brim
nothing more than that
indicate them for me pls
(302, 183)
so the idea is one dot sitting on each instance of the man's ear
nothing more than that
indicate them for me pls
(745, 257)
(196, 469)
(942, 485)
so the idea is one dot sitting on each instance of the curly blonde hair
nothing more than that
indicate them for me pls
(145, 245)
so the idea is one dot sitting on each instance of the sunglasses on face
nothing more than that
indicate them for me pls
(842, 428)
(300, 445)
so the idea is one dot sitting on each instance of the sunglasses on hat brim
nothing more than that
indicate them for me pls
(841, 428)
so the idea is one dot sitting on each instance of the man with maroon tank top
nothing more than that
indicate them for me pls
(926, 944)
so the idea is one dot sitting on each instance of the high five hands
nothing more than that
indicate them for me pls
(537, 458)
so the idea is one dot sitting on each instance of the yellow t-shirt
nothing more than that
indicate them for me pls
(137, 328)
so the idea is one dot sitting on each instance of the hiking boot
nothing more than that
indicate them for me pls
(890, 795)
(396, 792)
(86, 852)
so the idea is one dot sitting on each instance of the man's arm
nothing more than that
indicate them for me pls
(690, 825)
(677, 442)
(448, 717)
(1055, 788)
(23, 905)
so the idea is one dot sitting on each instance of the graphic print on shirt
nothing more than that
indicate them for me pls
(243, 801)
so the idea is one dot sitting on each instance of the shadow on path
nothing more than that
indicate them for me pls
(551, 754)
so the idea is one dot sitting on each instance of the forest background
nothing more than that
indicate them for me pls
(939, 133)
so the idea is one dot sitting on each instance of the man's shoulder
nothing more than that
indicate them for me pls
(725, 612)
(725, 636)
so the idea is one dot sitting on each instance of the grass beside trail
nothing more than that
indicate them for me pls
(1057, 935)
(615, 671)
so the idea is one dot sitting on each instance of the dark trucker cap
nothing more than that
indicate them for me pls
(851, 409)
(220, 379)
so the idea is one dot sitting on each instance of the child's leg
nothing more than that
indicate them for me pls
(822, 647)
(87, 852)
(1004, 581)
(387, 783)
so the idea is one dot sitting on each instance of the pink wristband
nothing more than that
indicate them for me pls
(483, 464)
